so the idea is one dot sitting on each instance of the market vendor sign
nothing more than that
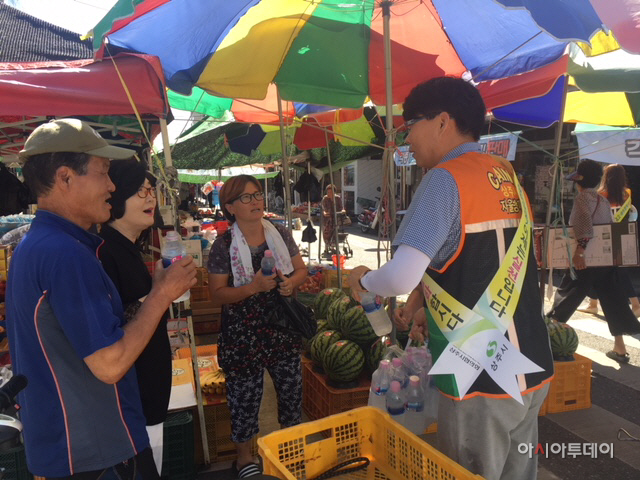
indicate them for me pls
(609, 144)
(501, 144)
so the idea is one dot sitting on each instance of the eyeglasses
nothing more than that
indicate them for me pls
(247, 197)
(410, 123)
(144, 191)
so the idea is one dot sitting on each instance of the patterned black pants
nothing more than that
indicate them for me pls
(244, 395)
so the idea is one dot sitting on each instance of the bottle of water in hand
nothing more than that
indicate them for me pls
(268, 263)
(172, 251)
(380, 381)
(376, 314)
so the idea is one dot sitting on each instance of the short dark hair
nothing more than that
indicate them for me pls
(232, 189)
(591, 172)
(127, 176)
(39, 170)
(460, 99)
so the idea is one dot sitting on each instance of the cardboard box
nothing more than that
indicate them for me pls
(614, 244)
(194, 248)
(182, 372)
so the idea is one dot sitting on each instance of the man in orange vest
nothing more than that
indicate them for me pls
(465, 252)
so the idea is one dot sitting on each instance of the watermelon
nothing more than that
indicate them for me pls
(321, 342)
(343, 361)
(377, 351)
(336, 310)
(322, 326)
(356, 327)
(324, 299)
(564, 341)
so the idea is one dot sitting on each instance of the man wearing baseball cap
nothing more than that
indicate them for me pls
(81, 410)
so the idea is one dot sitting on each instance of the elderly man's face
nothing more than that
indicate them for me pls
(89, 193)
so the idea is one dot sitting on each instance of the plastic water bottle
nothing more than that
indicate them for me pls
(172, 251)
(380, 381)
(268, 263)
(415, 416)
(376, 314)
(399, 372)
(395, 402)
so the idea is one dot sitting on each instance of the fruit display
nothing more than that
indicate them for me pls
(213, 382)
(563, 339)
(343, 361)
(336, 311)
(324, 299)
(376, 352)
(321, 342)
(355, 326)
(313, 283)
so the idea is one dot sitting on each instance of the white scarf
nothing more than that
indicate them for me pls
(241, 254)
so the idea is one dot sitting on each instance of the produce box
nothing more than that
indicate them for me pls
(331, 278)
(309, 449)
(570, 388)
(320, 400)
(181, 372)
(213, 384)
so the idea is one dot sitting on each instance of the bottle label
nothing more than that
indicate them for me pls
(415, 406)
(168, 261)
(380, 391)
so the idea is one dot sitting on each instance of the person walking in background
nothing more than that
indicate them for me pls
(81, 411)
(614, 187)
(328, 217)
(590, 208)
(248, 343)
(132, 212)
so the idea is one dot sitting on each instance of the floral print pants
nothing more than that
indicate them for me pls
(244, 395)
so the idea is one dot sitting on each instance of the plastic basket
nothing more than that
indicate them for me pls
(178, 460)
(14, 463)
(307, 450)
(343, 259)
(570, 388)
(320, 400)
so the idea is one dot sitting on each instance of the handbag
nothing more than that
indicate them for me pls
(292, 315)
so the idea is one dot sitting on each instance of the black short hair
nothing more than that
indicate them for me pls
(39, 170)
(591, 172)
(127, 176)
(460, 99)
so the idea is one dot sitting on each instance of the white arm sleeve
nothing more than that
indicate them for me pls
(400, 275)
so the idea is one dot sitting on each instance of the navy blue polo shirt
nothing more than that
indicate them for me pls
(61, 308)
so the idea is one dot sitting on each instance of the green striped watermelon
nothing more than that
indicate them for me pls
(377, 351)
(321, 342)
(337, 308)
(324, 299)
(322, 326)
(343, 361)
(563, 339)
(356, 327)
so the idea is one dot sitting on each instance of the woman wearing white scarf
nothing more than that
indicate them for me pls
(248, 343)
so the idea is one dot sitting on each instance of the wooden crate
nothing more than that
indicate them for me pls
(331, 278)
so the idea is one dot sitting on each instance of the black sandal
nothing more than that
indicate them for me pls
(618, 357)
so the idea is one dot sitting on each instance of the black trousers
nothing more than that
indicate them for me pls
(611, 291)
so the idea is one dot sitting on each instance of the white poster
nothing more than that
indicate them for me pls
(610, 146)
(501, 144)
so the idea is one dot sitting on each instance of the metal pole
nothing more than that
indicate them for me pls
(389, 140)
(173, 194)
(320, 237)
(552, 192)
(335, 212)
(309, 209)
(285, 166)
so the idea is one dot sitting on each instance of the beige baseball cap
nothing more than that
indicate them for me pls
(71, 135)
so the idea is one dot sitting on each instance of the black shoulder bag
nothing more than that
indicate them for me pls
(292, 315)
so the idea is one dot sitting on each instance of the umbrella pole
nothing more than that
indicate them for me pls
(389, 141)
(552, 194)
(309, 208)
(169, 163)
(335, 212)
(320, 237)
(266, 193)
(285, 166)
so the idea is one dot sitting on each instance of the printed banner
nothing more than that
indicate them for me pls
(611, 146)
(501, 144)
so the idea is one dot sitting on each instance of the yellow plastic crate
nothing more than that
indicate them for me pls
(570, 388)
(309, 449)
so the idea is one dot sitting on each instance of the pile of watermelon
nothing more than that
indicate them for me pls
(563, 339)
(345, 341)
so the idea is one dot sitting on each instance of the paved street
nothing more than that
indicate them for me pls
(615, 394)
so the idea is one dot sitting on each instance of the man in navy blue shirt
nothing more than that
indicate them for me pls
(81, 411)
